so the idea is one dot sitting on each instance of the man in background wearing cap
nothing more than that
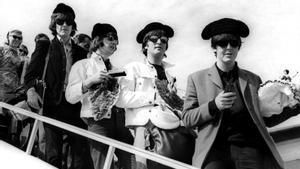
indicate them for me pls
(91, 83)
(222, 104)
(10, 74)
(63, 52)
(83, 40)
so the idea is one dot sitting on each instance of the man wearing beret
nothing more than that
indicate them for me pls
(222, 105)
(144, 107)
(62, 52)
(91, 83)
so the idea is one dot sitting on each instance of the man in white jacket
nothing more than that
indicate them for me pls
(139, 96)
(100, 114)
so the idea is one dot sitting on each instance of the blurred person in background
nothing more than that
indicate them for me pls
(83, 41)
(23, 53)
(10, 74)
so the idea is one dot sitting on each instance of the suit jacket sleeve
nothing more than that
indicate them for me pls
(193, 113)
(37, 62)
(77, 75)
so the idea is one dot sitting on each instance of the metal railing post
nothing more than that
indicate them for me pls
(109, 157)
(32, 136)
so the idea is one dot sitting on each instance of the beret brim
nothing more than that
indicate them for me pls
(65, 9)
(101, 29)
(225, 25)
(154, 26)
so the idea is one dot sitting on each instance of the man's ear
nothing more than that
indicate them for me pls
(146, 47)
(215, 51)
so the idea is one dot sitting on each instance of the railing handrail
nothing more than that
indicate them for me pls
(284, 126)
(111, 142)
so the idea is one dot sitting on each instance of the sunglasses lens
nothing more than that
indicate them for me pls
(59, 22)
(112, 37)
(17, 37)
(62, 21)
(162, 40)
(224, 43)
(234, 43)
(69, 22)
(154, 40)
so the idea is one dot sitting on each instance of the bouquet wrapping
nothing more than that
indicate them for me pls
(170, 97)
(103, 97)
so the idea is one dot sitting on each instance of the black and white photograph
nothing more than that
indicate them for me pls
(150, 84)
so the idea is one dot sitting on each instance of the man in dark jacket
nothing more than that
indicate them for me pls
(63, 52)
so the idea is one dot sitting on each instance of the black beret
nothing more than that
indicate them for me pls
(64, 9)
(101, 29)
(154, 26)
(225, 25)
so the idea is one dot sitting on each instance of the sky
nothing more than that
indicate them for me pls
(271, 47)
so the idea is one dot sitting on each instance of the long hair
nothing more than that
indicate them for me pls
(95, 44)
(55, 16)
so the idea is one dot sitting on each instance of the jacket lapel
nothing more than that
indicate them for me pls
(243, 81)
(215, 77)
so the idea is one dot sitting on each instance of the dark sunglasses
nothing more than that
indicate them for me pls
(62, 21)
(163, 40)
(224, 43)
(17, 37)
(111, 36)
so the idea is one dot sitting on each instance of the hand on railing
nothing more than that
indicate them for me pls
(33, 99)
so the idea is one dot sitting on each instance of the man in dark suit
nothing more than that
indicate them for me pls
(222, 104)
(63, 52)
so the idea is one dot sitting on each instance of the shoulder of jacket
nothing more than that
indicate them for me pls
(135, 64)
(81, 63)
(250, 74)
(199, 72)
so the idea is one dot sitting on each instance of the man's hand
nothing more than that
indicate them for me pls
(160, 102)
(97, 78)
(33, 99)
(171, 85)
(225, 100)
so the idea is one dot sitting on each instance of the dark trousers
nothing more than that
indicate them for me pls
(54, 144)
(234, 157)
(113, 128)
(67, 113)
